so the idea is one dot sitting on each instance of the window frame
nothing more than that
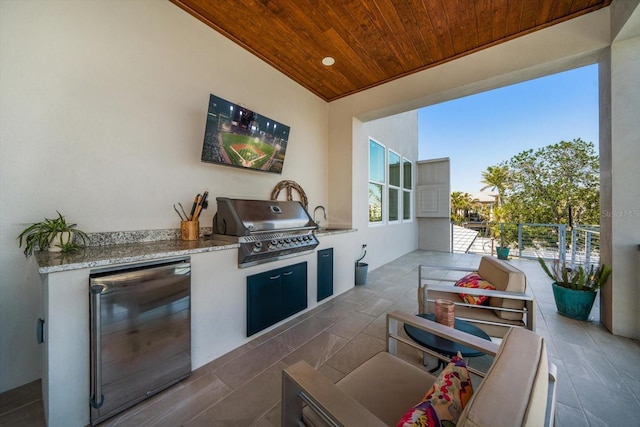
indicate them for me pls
(396, 188)
(382, 183)
(386, 187)
(406, 190)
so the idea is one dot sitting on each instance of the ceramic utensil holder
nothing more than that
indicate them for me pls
(189, 230)
(445, 314)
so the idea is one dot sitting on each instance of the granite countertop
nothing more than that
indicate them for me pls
(126, 247)
(98, 256)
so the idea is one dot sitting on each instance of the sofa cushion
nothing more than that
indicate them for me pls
(445, 400)
(474, 280)
(386, 385)
(504, 277)
(519, 377)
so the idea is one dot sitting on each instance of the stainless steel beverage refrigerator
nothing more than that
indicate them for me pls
(140, 333)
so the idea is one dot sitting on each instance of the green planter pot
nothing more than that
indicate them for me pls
(503, 252)
(572, 303)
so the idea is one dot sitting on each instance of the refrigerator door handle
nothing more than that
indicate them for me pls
(97, 399)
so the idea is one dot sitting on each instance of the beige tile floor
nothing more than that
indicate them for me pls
(598, 384)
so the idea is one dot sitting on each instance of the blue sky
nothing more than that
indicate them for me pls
(484, 129)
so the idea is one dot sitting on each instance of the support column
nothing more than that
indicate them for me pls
(620, 192)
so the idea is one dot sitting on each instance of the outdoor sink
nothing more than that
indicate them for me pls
(330, 229)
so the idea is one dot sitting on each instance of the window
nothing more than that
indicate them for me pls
(394, 186)
(376, 181)
(407, 188)
(390, 185)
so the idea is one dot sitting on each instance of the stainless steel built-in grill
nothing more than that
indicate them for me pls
(266, 230)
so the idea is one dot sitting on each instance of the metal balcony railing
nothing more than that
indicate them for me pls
(574, 245)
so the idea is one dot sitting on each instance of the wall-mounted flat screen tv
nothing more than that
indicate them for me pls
(236, 136)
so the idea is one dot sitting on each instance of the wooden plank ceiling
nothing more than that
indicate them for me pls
(373, 41)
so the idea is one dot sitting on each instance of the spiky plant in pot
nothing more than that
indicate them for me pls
(575, 289)
(582, 278)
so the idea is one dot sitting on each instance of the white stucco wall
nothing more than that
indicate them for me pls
(102, 117)
(434, 232)
(398, 133)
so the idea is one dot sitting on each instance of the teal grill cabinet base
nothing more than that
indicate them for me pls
(325, 273)
(274, 295)
(572, 303)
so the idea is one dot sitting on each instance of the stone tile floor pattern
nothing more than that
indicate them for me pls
(598, 373)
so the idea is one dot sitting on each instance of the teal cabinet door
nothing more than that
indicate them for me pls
(294, 289)
(264, 301)
(325, 273)
(275, 295)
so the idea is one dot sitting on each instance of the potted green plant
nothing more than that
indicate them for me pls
(53, 234)
(575, 289)
(503, 249)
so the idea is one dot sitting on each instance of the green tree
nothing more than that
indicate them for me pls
(496, 178)
(461, 204)
(543, 184)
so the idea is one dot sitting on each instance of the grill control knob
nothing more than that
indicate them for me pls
(273, 244)
(257, 247)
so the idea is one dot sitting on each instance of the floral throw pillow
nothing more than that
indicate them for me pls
(445, 400)
(474, 280)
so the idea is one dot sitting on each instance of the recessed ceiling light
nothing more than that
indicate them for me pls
(328, 61)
